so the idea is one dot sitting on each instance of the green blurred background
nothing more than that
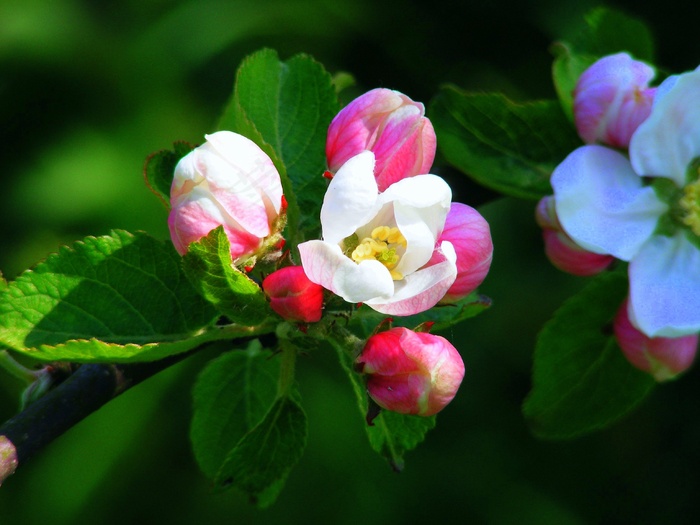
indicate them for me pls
(89, 89)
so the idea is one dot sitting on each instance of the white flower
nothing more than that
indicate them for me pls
(376, 247)
(604, 203)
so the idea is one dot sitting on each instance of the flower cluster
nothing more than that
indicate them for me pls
(641, 205)
(392, 238)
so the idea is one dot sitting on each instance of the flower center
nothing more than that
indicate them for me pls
(382, 246)
(690, 204)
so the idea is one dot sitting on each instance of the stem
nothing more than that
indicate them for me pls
(17, 370)
(287, 365)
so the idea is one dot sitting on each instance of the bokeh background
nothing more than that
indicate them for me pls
(89, 89)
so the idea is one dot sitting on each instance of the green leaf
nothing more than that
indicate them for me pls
(101, 299)
(231, 396)
(286, 107)
(208, 265)
(507, 146)
(263, 458)
(581, 380)
(608, 31)
(566, 69)
(392, 434)
(160, 167)
(366, 320)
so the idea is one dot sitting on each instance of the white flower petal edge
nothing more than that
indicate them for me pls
(351, 198)
(666, 143)
(664, 283)
(422, 289)
(602, 204)
(325, 264)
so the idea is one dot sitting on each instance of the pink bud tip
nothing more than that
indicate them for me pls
(662, 357)
(612, 98)
(389, 124)
(411, 372)
(293, 296)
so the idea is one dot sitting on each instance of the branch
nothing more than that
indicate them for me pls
(86, 390)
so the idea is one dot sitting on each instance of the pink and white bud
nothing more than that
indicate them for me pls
(612, 98)
(662, 357)
(561, 249)
(470, 236)
(293, 296)
(389, 124)
(411, 372)
(228, 181)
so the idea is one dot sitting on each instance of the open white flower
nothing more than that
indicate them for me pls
(605, 202)
(378, 248)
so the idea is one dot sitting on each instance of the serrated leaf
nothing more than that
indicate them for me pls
(392, 434)
(507, 146)
(160, 168)
(231, 396)
(609, 31)
(581, 380)
(263, 458)
(209, 267)
(101, 299)
(286, 107)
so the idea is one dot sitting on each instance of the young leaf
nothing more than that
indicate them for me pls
(566, 69)
(392, 434)
(581, 380)
(208, 265)
(160, 167)
(231, 396)
(507, 146)
(124, 290)
(286, 107)
(263, 458)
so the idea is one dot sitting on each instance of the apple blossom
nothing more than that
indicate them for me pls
(228, 181)
(606, 205)
(612, 98)
(470, 236)
(561, 249)
(381, 248)
(411, 372)
(662, 357)
(389, 124)
(293, 296)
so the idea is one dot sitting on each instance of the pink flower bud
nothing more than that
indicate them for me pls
(411, 372)
(561, 249)
(389, 124)
(470, 236)
(228, 181)
(293, 296)
(662, 357)
(612, 98)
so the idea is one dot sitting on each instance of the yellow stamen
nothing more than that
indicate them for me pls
(690, 202)
(378, 247)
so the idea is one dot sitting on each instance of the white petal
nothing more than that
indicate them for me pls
(325, 264)
(351, 198)
(423, 289)
(602, 204)
(665, 287)
(666, 143)
(421, 205)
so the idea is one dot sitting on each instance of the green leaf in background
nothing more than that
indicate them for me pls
(160, 167)
(261, 461)
(507, 146)
(605, 32)
(609, 31)
(392, 434)
(286, 107)
(581, 380)
(125, 290)
(208, 265)
(231, 396)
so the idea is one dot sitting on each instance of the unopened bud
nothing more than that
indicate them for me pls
(293, 296)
